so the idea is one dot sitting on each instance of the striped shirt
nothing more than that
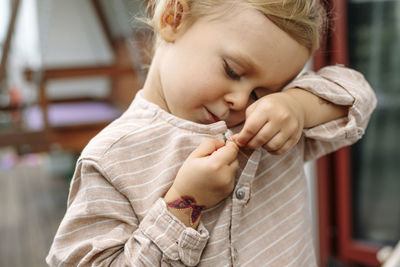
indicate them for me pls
(116, 215)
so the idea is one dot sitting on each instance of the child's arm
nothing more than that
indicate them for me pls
(276, 121)
(341, 86)
(333, 105)
(101, 227)
(316, 110)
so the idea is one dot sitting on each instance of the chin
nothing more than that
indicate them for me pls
(235, 119)
(233, 124)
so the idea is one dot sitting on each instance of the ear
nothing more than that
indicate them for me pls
(172, 19)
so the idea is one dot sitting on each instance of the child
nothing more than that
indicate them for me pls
(160, 186)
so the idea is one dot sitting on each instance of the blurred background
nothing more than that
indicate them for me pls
(70, 67)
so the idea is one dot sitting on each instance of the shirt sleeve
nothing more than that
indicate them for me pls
(100, 228)
(341, 86)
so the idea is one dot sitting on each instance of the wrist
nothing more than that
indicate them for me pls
(298, 99)
(171, 195)
(316, 109)
(184, 216)
(183, 208)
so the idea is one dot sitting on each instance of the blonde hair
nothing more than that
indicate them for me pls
(303, 20)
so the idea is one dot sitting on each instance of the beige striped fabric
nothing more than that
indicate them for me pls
(116, 215)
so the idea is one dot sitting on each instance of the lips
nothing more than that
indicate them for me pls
(212, 117)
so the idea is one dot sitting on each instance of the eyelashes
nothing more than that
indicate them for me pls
(231, 73)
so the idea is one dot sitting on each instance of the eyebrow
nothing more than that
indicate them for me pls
(250, 66)
(242, 60)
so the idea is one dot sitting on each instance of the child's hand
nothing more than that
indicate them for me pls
(208, 174)
(275, 122)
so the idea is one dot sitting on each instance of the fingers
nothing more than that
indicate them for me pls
(253, 124)
(279, 144)
(226, 154)
(274, 138)
(289, 144)
(207, 147)
(263, 136)
(235, 164)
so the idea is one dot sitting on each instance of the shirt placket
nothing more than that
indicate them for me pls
(241, 196)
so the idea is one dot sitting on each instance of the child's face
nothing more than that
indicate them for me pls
(209, 72)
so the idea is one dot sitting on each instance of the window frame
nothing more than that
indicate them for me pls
(334, 185)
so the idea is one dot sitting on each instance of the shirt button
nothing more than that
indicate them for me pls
(240, 193)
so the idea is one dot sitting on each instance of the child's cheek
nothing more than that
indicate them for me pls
(212, 89)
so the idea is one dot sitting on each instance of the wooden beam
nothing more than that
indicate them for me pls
(31, 141)
(7, 44)
(103, 22)
(81, 71)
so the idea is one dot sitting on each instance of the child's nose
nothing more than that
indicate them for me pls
(237, 100)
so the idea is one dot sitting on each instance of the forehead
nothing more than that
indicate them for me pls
(247, 33)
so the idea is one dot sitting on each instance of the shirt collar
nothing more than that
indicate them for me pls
(153, 110)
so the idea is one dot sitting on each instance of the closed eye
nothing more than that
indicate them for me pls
(231, 73)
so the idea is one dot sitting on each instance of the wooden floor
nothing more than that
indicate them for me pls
(32, 204)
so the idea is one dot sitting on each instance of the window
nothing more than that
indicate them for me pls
(374, 49)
